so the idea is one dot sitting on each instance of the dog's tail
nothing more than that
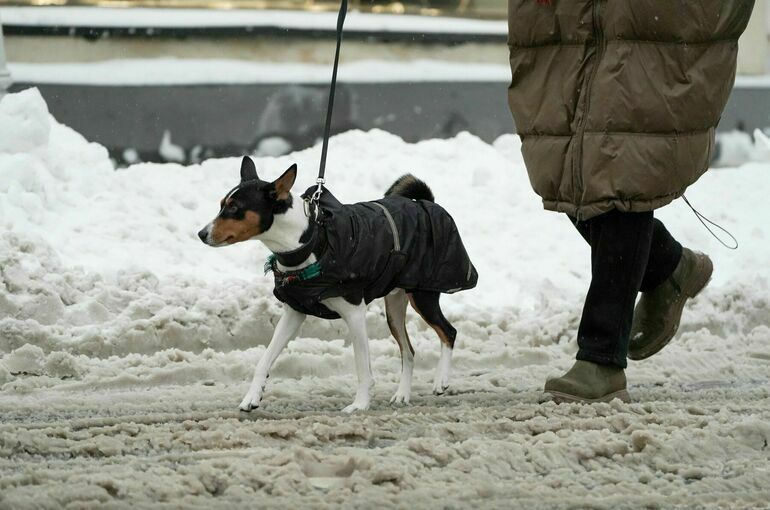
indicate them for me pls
(410, 186)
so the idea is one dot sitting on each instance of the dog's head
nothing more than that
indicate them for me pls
(250, 208)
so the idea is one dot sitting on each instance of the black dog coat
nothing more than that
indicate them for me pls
(366, 250)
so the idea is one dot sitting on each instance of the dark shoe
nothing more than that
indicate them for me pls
(657, 316)
(588, 382)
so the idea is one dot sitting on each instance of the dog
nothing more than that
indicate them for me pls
(330, 260)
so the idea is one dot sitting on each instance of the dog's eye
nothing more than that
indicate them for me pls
(232, 209)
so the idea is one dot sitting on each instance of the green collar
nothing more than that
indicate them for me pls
(284, 278)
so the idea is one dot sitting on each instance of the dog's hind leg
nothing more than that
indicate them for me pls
(427, 305)
(395, 309)
(355, 317)
(287, 328)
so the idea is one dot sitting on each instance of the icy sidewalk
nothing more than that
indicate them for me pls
(125, 345)
(489, 445)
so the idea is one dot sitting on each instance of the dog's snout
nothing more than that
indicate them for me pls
(203, 234)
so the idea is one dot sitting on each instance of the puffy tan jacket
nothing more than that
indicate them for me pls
(617, 101)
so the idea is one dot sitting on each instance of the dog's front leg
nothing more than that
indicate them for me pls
(355, 317)
(285, 331)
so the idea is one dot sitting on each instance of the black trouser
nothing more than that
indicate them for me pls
(630, 252)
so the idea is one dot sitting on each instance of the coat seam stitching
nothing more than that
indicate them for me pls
(611, 200)
(671, 134)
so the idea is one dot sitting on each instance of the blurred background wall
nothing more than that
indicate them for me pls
(755, 44)
(190, 79)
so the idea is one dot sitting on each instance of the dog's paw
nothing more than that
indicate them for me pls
(251, 401)
(356, 406)
(440, 387)
(401, 397)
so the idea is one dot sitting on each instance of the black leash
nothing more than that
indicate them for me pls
(330, 109)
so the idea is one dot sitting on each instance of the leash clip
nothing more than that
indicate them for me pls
(319, 190)
(311, 203)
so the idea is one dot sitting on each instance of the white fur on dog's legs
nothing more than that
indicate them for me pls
(441, 382)
(287, 328)
(395, 307)
(355, 317)
(404, 391)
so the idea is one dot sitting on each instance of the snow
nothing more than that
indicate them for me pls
(736, 148)
(170, 71)
(753, 82)
(126, 345)
(197, 18)
(170, 151)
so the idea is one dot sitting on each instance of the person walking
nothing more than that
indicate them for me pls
(617, 103)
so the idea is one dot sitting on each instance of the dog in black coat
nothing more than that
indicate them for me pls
(330, 260)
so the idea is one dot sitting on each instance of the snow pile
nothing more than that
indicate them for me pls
(736, 148)
(102, 262)
(45, 168)
(125, 345)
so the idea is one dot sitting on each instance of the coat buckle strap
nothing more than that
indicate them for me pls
(393, 229)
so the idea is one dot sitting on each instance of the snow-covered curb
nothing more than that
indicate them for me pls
(187, 18)
(167, 71)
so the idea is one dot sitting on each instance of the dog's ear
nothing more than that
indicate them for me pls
(248, 170)
(284, 183)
